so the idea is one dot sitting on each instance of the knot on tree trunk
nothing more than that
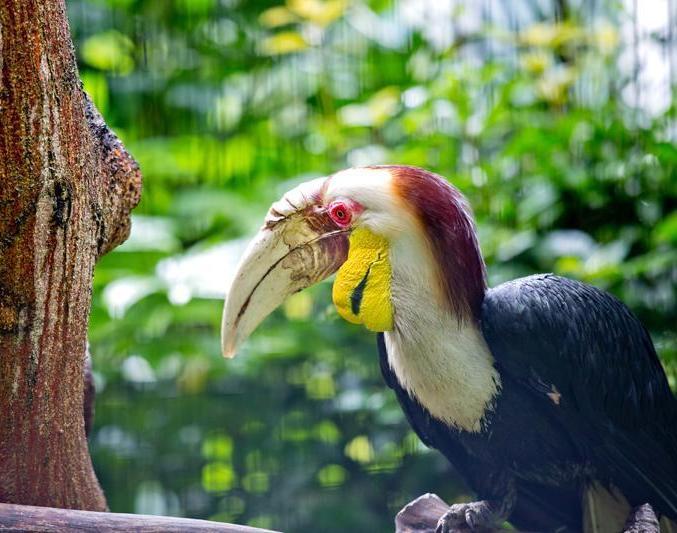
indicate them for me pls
(120, 188)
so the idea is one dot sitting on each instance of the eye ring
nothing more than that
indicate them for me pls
(340, 214)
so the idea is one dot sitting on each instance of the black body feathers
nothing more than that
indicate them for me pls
(583, 398)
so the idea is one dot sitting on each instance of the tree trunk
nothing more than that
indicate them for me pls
(66, 190)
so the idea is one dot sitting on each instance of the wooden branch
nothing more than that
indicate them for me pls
(642, 519)
(421, 516)
(45, 519)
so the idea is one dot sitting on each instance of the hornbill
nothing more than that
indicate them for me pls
(545, 393)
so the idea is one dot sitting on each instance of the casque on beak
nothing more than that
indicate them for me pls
(298, 246)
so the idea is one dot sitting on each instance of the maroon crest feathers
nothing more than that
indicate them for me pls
(447, 221)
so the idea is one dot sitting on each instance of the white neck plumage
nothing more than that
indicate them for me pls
(442, 362)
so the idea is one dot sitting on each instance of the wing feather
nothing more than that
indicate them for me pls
(550, 331)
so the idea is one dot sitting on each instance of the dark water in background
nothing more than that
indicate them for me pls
(239, 453)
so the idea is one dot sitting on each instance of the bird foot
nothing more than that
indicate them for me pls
(473, 516)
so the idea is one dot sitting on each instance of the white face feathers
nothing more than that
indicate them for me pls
(384, 213)
(445, 365)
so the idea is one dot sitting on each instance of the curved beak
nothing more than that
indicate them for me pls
(298, 246)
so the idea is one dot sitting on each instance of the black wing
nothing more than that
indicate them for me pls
(614, 397)
(538, 507)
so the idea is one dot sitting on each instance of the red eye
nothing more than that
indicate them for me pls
(340, 213)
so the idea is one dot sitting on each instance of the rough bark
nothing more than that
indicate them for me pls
(89, 394)
(33, 519)
(66, 189)
(421, 516)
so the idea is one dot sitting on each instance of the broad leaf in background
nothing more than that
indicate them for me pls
(561, 135)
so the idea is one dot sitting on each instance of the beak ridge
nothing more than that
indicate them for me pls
(298, 246)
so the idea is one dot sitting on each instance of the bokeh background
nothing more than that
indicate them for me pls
(556, 118)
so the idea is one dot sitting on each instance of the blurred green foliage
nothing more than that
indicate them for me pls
(226, 104)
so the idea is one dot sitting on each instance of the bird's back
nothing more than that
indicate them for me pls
(583, 397)
(567, 341)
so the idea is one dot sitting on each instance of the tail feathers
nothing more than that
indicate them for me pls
(604, 510)
(643, 470)
(668, 526)
(546, 508)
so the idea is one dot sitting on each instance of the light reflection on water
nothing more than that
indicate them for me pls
(271, 459)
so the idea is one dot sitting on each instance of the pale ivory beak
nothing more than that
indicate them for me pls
(298, 246)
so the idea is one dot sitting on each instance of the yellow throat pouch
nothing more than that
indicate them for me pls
(361, 291)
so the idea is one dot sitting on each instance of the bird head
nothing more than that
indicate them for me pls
(374, 227)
